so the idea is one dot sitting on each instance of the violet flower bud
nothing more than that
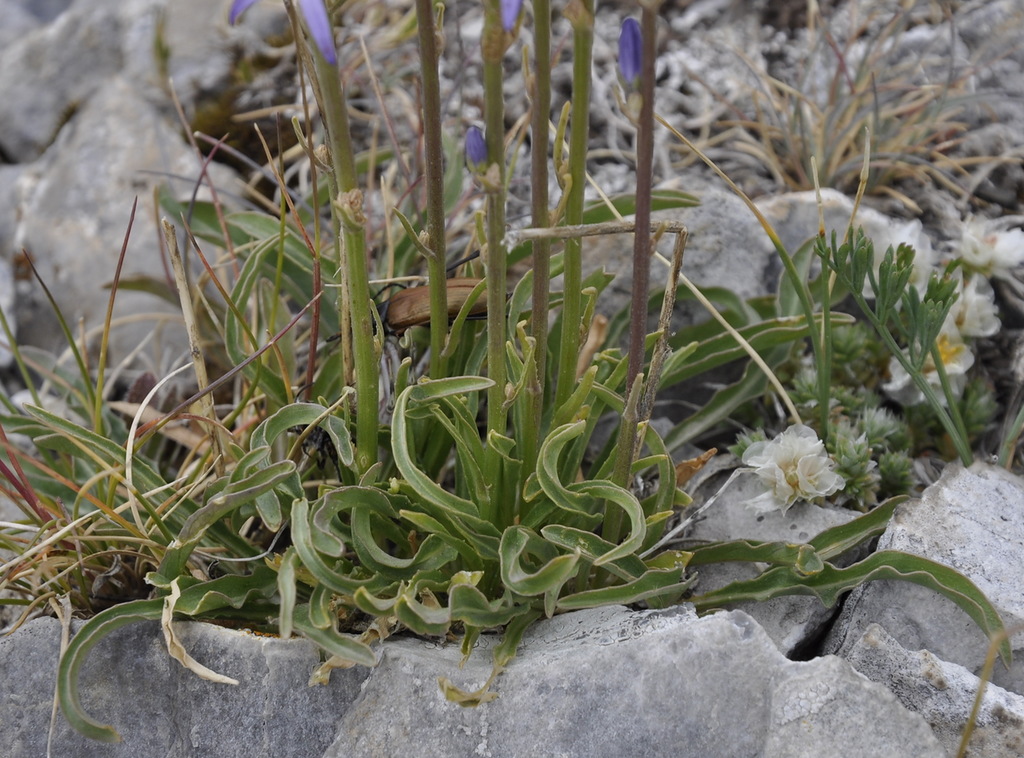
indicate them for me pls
(510, 10)
(317, 22)
(319, 26)
(237, 9)
(630, 51)
(476, 148)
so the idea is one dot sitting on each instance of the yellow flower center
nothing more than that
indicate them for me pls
(949, 350)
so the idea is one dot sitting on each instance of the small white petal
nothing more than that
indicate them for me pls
(793, 466)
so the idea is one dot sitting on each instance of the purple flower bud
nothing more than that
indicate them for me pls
(630, 51)
(319, 26)
(510, 13)
(317, 22)
(238, 7)
(476, 148)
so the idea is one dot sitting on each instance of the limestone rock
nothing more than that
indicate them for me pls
(791, 621)
(969, 520)
(944, 694)
(611, 682)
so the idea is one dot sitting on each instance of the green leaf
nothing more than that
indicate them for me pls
(592, 547)
(788, 299)
(458, 514)
(837, 540)
(800, 556)
(654, 583)
(366, 504)
(612, 493)
(304, 414)
(716, 351)
(575, 503)
(234, 495)
(420, 618)
(321, 614)
(311, 558)
(286, 589)
(91, 633)
(554, 570)
(828, 584)
(719, 408)
(344, 646)
(229, 591)
(470, 606)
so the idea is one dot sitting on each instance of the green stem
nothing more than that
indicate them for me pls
(1009, 443)
(960, 438)
(824, 373)
(348, 203)
(626, 453)
(433, 172)
(581, 15)
(956, 434)
(644, 180)
(541, 218)
(493, 49)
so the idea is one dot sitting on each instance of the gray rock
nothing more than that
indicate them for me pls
(969, 520)
(8, 223)
(51, 71)
(611, 682)
(795, 217)
(944, 694)
(790, 621)
(17, 21)
(162, 709)
(606, 682)
(75, 204)
(195, 37)
(726, 248)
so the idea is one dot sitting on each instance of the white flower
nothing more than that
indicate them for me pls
(957, 358)
(990, 251)
(793, 466)
(974, 314)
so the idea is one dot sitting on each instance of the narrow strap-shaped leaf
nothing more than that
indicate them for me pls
(668, 494)
(839, 539)
(321, 613)
(91, 633)
(802, 557)
(420, 618)
(574, 502)
(654, 583)
(401, 444)
(518, 541)
(433, 552)
(832, 582)
(229, 591)
(303, 414)
(231, 497)
(470, 606)
(627, 502)
(696, 359)
(303, 542)
(286, 590)
(591, 547)
(343, 646)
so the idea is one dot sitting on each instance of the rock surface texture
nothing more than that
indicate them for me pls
(87, 124)
(969, 520)
(602, 683)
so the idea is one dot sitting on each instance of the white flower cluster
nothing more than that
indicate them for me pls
(990, 250)
(987, 251)
(793, 466)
